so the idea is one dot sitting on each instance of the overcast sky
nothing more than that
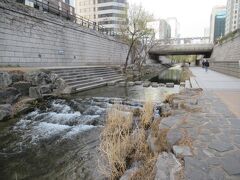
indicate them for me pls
(193, 15)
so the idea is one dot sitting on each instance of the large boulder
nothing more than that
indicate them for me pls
(37, 78)
(167, 167)
(5, 79)
(34, 92)
(9, 95)
(22, 87)
(5, 111)
(16, 76)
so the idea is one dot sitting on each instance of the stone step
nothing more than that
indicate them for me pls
(100, 84)
(84, 76)
(64, 74)
(79, 82)
(106, 80)
(78, 68)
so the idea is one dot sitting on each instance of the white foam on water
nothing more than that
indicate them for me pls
(63, 108)
(77, 130)
(46, 130)
(62, 118)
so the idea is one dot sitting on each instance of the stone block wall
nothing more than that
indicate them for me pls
(29, 37)
(231, 68)
(226, 56)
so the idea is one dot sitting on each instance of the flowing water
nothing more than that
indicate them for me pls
(60, 138)
(173, 74)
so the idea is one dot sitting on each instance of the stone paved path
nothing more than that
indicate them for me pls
(215, 131)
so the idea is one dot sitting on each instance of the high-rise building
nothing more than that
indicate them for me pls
(175, 27)
(217, 22)
(233, 16)
(161, 29)
(109, 13)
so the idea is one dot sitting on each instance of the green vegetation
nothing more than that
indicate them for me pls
(183, 58)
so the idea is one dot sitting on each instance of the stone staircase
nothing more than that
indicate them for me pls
(85, 78)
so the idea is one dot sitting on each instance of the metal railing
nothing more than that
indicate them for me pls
(66, 11)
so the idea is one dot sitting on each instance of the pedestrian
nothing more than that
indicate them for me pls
(203, 63)
(189, 64)
(206, 65)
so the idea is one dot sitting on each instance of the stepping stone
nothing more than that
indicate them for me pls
(138, 82)
(162, 85)
(155, 85)
(221, 146)
(130, 83)
(182, 151)
(182, 84)
(146, 84)
(170, 85)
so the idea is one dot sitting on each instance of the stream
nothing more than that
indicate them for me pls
(60, 139)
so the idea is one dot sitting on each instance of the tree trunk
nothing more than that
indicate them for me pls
(129, 51)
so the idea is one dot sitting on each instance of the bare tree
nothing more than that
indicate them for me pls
(136, 28)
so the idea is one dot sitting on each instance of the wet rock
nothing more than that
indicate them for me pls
(167, 167)
(5, 79)
(146, 84)
(129, 174)
(22, 87)
(161, 85)
(173, 136)
(53, 77)
(182, 151)
(9, 95)
(45, 89)
(94, 110)
(101, 99)
(60, 84)
(37, 78)
(155, 85)
(16, 76)
(138, 82)
(170, 85)
(34, 92)
(5, 111)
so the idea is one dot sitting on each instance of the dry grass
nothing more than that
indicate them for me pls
(121, 145)
(186, 140)
(147, 114)
(116, 142)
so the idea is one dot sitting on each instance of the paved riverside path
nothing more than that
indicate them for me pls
(215, 130)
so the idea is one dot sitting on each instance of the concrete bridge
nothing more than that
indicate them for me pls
(181, 49)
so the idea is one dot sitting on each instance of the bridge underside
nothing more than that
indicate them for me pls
(193, 49)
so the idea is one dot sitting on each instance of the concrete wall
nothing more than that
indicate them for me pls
(29, 37)
(226, 56)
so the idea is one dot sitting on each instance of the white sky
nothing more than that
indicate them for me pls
(193, 15)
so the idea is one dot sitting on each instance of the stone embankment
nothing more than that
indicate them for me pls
(17, 89)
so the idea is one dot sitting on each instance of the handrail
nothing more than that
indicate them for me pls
(64, 12)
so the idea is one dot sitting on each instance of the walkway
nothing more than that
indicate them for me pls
(227, 88)
(215, 130)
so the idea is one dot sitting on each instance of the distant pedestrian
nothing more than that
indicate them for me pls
(206, 65)
(189, 64)
(203, 63)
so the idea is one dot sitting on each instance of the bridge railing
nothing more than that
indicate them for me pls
(178, 41)
(66, 11)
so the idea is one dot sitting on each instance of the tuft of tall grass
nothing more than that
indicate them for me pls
(147, 114)
(116, 142)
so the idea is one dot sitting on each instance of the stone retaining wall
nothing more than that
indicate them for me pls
(226, 56)
(29, 37)
(231, 68)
